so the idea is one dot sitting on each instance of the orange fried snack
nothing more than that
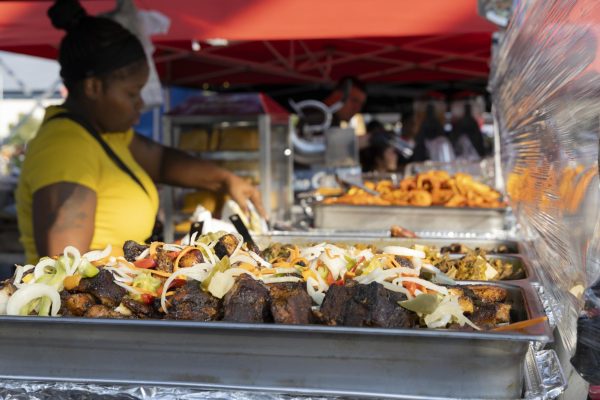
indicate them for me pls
(433, 188)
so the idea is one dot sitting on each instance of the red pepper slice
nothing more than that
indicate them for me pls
(145, 263)
(329, 279)
(339, 282)
(146, 298)
(177, 283)
(360, 261)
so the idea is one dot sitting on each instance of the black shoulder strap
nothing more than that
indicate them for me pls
(109, 152)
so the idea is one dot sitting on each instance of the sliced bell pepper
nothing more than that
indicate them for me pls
(146, 298)
(145, 263)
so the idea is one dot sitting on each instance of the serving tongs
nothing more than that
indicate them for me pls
(345, 182)
(239, 225)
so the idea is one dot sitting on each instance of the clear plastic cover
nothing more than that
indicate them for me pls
(546, 85)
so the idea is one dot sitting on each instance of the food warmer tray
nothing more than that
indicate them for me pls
(341, 216)
(544, 380)
(321, 360)
(380, 238)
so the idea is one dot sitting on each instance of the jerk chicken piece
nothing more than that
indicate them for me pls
(489, 294)
(366, 305)
(247, 301)
(290, 303)
(164, 260)
(190, 302)
(226, 245)
(101, 311)
(132, 250)
(77, 304)
(140, 310)
(103, 287)
(191, 258)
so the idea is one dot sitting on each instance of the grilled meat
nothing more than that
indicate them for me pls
(77, 304)
(333, 309)
(290, 303)
(226, 245)
(101, 311)
(103, 287)
(140, 310)
(404, 261)
(164, 261)
(191, 258)
(366, 305)
(247, 301)
(132, 249)
(484, 316)
(465, 298)
(192, 303)
(489, 294)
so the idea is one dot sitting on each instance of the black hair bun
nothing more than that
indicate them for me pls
(66, 14)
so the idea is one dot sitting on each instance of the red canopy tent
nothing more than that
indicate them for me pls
(290, 41)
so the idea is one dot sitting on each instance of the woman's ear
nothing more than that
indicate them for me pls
(92, 88)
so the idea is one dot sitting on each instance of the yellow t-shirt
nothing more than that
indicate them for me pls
(63, 151)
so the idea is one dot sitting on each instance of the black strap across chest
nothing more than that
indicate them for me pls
(96, 135)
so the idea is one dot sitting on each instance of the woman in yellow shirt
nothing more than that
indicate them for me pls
(87, 179)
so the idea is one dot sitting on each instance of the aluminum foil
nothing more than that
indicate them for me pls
(27, 390)
(544, 376)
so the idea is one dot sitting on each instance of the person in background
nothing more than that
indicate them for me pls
(432, 142)
(467, 138)
(88, 180)
(380, 156)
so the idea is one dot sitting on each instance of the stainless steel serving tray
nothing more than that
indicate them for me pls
(340, 216)
(381, 238)
(341, 361)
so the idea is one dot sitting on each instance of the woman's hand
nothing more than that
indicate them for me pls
(242, 191)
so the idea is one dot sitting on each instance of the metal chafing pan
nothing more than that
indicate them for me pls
(381, 238)
(341, 361)
(340, 216)
(518, 260)
(544, 380)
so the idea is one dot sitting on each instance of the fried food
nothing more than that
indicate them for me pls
(433, 188)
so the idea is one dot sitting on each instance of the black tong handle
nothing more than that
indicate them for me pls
(243, 230)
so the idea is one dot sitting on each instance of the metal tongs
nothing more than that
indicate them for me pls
(239, 225)
(346, 182)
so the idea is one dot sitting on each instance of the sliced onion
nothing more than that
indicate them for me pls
(243, 257)
(192, 239)
(28, 293)
(20, 273)
(5, 294)
(209, 253)
(96, 255)
(261, 262)
(281, 279)
(286, 271)
(316, 295)
(220, 284)
(40, 268)
(335, 264)
(311, 253)
(130, 289)
(403, 251)
(119, 275)
(171, 247)
(397, 288)
(143, 254)
(422, 282)
(72, 251)
(240, 241)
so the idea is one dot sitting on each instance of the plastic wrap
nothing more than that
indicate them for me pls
(546, 88)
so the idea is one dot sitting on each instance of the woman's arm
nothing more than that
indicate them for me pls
(177, 168)
(63, 214)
